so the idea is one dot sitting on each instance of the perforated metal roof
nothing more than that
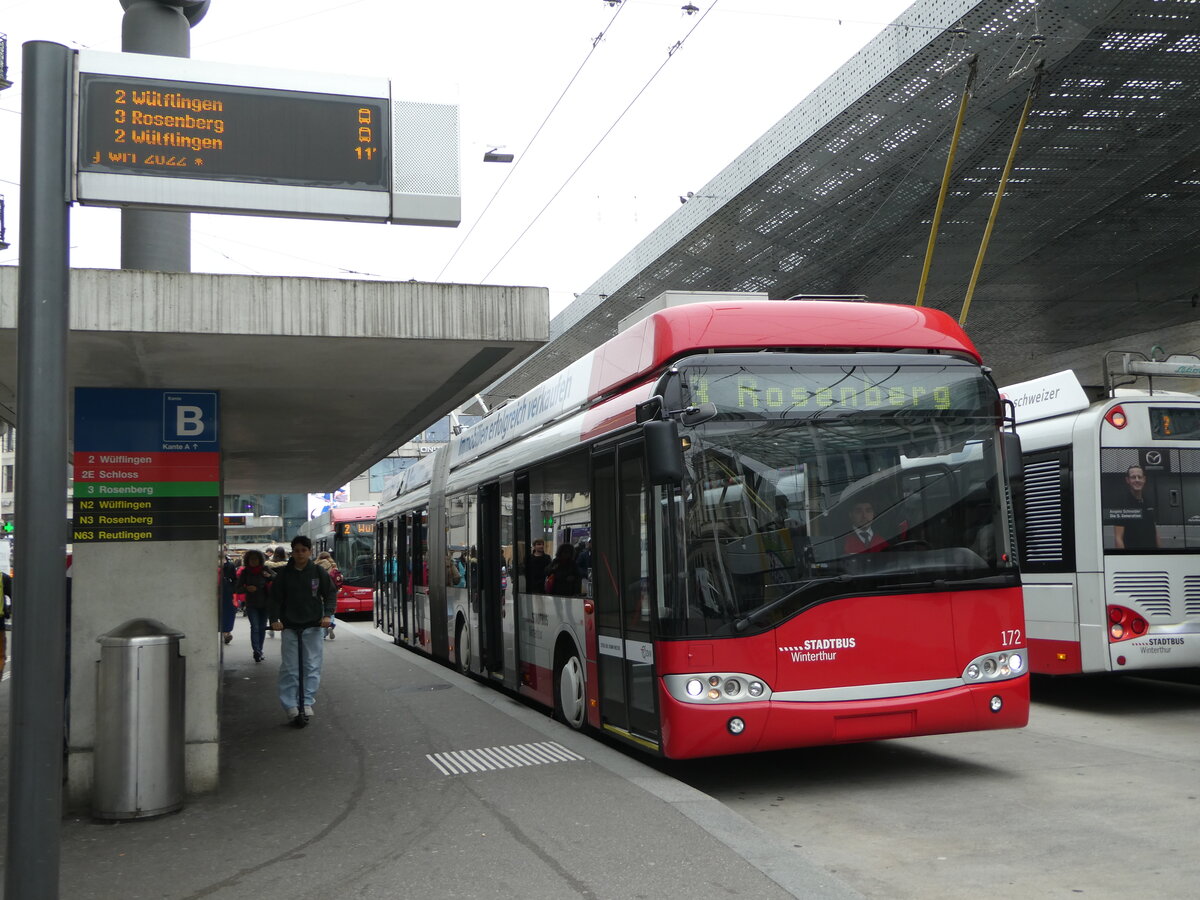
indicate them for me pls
(1097, 233)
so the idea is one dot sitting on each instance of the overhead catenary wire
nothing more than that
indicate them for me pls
(595, 43)
(670, 54)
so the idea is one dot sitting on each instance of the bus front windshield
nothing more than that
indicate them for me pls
(353, 553)
(812, 483)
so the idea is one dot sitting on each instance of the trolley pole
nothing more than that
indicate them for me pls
(35, 762)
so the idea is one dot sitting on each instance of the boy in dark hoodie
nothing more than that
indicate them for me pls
(301, 604)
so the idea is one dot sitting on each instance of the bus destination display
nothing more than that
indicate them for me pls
(773, 391)
(143, 126)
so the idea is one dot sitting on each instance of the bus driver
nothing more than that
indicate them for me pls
(862, 537)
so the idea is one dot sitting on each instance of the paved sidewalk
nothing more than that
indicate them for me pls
(359, 804)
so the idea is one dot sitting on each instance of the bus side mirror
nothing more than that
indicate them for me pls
(664, 452)
(1014, 468)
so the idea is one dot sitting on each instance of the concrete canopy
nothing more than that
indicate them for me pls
(319, 378)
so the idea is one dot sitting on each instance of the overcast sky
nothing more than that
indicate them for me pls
(626, 139)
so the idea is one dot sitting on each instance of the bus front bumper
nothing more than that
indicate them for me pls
(698, 729)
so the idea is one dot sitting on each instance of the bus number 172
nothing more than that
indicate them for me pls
(1010, 637)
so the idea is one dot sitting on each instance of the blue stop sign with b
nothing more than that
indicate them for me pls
(190, 417)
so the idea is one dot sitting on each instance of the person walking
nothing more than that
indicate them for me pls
(325, 561)
(254, 581)
(301, 604)
(276, 560)
(227, 573)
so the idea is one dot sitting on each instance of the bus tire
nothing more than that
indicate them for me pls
(462, 646)
(570, 702)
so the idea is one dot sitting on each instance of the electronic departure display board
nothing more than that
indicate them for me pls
(171, 133)
(145, 126)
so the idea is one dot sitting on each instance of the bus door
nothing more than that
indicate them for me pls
(415, 577)
(488, 596)
(623, 585)
(398, 575)
(383, 532)
(394, 574)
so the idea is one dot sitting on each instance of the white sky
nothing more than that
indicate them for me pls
(505, 63)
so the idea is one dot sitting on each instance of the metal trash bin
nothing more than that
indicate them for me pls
(138, 758)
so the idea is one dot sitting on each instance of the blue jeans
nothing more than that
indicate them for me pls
(258, 626)
(309, 640)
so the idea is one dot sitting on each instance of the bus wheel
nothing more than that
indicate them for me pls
(569, 704)
(462, 646)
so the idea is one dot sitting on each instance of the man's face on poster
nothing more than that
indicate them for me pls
(1136, 479)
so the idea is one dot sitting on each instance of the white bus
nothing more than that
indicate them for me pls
(1110, 530)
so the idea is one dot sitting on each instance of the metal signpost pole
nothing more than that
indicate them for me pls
(35, 762)
(150, 239)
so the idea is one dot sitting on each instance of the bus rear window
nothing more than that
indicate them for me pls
(1174, 423)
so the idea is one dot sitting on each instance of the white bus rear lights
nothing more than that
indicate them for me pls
(717, 687)
(995, 667)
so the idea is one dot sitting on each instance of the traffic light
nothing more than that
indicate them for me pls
(8, 527)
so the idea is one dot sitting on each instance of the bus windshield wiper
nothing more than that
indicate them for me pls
(743, 623)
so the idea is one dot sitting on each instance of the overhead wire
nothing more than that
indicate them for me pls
(595, 43)
(670, 54)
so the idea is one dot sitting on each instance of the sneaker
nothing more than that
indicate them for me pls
(307, 712)
(258, 657)
(292, 712)
(332, 633)
(228, 636)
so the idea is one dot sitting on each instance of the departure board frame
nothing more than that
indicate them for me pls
(172, 133)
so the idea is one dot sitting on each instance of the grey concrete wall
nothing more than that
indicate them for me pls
(176, 583)
(1087, 360)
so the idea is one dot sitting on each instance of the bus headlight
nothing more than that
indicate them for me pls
(717, 687)
(995, 666)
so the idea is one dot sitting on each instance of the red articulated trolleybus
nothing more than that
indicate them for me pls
(348, 532)
(701, 483)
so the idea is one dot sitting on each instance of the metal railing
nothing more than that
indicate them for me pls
(4, 82)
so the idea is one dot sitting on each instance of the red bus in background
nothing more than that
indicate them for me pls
(703, 479)
(348, 532)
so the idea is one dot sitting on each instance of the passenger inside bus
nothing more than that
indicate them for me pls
(563, 576)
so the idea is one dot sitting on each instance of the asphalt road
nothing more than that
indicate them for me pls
(1098, 797)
